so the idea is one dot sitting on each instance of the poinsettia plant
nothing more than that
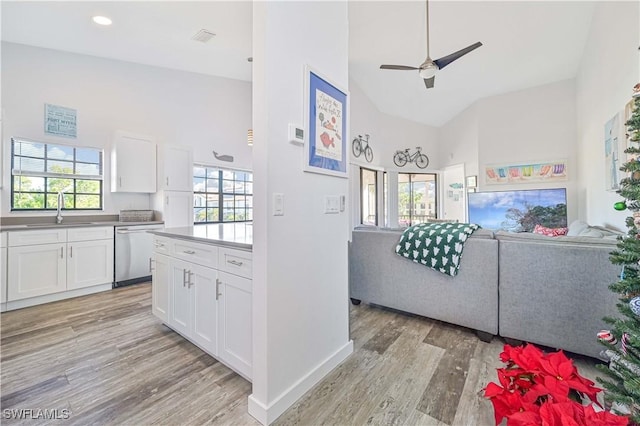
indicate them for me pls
(538, 388)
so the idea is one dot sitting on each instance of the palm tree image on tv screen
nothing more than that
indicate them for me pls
(519, 211)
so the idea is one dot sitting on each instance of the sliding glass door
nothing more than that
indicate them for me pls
(417, 200)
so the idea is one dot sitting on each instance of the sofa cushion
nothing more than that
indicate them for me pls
(561, 240)
(549, 232)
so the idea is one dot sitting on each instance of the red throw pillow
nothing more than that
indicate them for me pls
(550, 232)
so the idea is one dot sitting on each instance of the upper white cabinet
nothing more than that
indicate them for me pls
(177, 209)
(176, 173)
(133, 163)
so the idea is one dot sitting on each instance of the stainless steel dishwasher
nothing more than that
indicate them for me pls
(134, 247)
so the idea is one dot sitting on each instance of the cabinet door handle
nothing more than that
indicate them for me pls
(184, 278)
(167, 200)
(167, 180)
(218, 294)
(70, 251)
(151, 264)
(190, 275)
(189, 251)
(120, 181)
(61, 252)
(235, 262)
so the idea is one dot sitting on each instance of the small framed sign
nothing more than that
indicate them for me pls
(326, 109)
(60, 121)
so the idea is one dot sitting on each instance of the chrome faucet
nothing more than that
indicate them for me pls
(60, 206)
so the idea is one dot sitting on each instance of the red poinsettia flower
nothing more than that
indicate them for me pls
(541, 389)
(560, 414)
(527, 357)
(557, 366)
(603, 418)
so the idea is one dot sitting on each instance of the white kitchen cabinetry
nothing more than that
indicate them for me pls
(160, 287)
(192, 298)
(3, 271)
(55, 261)
(133, 163)
(89, 257)
(207, 304)
(234, 321)
(178, 209)
(176, 173)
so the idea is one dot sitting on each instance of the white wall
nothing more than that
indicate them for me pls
(458, 140)
(389, 134)
(175, 107)
(300, 288)
(608, 72)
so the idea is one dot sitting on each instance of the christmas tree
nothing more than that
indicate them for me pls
(623, 384)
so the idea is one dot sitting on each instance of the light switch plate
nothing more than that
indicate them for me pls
(331, 204)
(278, 204)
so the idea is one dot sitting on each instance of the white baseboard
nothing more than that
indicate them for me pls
(39, 300)
(267, 414)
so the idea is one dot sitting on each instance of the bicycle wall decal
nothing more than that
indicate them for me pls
(360, 145)
(400, 158)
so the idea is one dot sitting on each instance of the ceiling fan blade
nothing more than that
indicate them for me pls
(397, 67)
(429, 82)
(446, 60)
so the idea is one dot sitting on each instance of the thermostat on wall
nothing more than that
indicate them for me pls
(296, 134)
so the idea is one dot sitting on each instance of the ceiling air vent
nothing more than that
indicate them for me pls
(203, 36)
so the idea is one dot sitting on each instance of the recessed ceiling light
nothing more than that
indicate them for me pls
(101, 20)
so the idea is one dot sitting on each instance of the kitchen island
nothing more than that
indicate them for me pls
(202, 288)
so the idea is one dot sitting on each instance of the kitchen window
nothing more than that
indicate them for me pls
(39, 171)
(221, 195)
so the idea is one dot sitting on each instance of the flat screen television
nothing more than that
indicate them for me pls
(519, 211)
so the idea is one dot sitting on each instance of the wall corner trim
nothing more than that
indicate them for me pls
(267, 414)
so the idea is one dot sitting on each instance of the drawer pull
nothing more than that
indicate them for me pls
(159, 245)
(189, 251)
(235, 262)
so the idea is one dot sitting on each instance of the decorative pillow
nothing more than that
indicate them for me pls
(576, 227)
(549, 232)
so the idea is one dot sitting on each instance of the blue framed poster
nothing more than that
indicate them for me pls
(326, 109)
(60, 121)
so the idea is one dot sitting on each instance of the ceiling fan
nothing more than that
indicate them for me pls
(429, 67)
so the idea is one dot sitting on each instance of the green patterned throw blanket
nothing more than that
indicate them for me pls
(436, 245)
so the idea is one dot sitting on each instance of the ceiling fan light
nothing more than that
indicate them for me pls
(428, 71)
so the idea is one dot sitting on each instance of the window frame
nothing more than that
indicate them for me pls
(53, 175)
(221, 194)
(411, 190)
(362, 192)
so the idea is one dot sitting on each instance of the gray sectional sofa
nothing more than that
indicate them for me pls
(549, 291)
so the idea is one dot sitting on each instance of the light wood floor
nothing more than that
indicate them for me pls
(107, 360)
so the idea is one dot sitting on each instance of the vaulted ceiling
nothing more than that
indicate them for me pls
(525, 44)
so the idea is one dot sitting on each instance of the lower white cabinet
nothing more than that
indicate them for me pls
(36, 270)
(209, 307)
(234, 321)
(160, 287)
(46, 262)
(3, 271)
(89, 263)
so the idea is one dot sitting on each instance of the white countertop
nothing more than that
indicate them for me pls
(236, 235)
